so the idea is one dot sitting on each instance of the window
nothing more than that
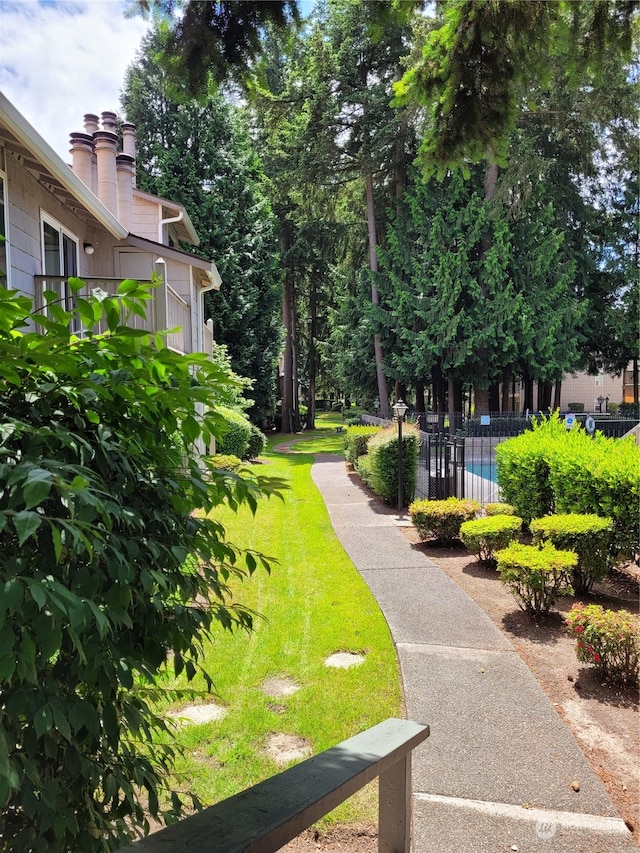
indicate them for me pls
(4, 231)
(60, 258)
(600, 379)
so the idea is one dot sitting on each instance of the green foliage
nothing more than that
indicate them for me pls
(588, 535)
(555, 469)
(356, 441)
(237, 434)
(199, 153)
(226, 462)
(575, 407)
(363, 467)
(536, 575)
(522, 465)
(608, 639)
(485, 536)
(601, 476)
(257, 442)
(112, 570)
(383, 463)
(499, 509)
(441, 520)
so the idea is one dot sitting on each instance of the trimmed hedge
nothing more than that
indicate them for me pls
(588, 535)
(235, 441)
(536, 576)
(356, 441)
(225, 462)
(499, 509)
(522, 465)
(608, 639)
(383, 463)
(442, 519)
(552, 469)
(484, 536)
(257, 442)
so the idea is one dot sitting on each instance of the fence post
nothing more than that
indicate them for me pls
(394, 807)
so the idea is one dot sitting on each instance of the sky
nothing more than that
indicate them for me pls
(60, 59)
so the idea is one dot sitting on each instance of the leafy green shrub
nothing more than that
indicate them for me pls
(356, 440)
(629, 410)
(442, 519)
(575, 407)
(237, 434)
(363, 467)
(599, 475)
(523, 468)
(225, 462)
(113, 568)
(383, 463)
(608, 639)
(536, 575)
(588, 535)
(552, 469)
(499, 509)
(257, 442)
(485, 536)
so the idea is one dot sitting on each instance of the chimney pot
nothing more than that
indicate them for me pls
(82, 156)
(106, 145)
(109, 121)
(91, 123)
(124, 171)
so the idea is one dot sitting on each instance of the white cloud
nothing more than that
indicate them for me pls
(62, 59)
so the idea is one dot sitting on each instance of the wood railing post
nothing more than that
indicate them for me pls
(394, 809)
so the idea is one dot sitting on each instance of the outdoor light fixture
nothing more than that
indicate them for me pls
(400, 410)
(88, 248)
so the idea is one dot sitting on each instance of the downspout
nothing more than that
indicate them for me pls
(164, 222)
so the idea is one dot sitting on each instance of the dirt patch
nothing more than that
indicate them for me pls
(355, 838)
(344, 660)
(198, 713)
(284, 748)
(279, 685)
(602, 717)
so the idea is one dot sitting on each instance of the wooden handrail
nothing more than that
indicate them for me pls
(268, 815)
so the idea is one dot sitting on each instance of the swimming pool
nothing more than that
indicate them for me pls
(486, 470)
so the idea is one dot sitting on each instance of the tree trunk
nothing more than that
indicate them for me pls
(481, 396)
(544, 396)
(289, 372)
(557, 393)
(420, 403)
(506, 388)
(312, 367)
(636, 399)
(494, 397)
(375, 297)
(527, 390)
(455, 404)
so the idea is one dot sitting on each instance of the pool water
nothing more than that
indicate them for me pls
(487, 470)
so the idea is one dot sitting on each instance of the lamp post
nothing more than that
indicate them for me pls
(400, 410)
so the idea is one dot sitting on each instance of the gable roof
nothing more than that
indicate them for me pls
(39, 158)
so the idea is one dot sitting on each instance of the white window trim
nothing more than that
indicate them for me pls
(46, 218)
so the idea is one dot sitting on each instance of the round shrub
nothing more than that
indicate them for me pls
(225, 462)
(257, 442)
(356, 441)
(588, 535)
(485, 536)
(537, 576)
(442, 519)
(383, 463)
(235, 441)
(499, 509)
(608, 639)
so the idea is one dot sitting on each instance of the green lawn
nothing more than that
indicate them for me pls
(314, 603)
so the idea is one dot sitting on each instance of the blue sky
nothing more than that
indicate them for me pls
(60, 59)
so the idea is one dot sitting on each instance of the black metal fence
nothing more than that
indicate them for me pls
(457, 457)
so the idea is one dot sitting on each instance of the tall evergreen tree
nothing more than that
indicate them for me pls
(201, 155)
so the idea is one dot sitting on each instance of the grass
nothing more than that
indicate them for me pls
(314, 603)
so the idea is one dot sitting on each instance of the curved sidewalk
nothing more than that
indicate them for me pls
(496, 773)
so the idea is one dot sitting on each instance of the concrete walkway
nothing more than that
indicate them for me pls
(496, 773)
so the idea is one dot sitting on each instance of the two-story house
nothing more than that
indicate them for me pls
(90, 220)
